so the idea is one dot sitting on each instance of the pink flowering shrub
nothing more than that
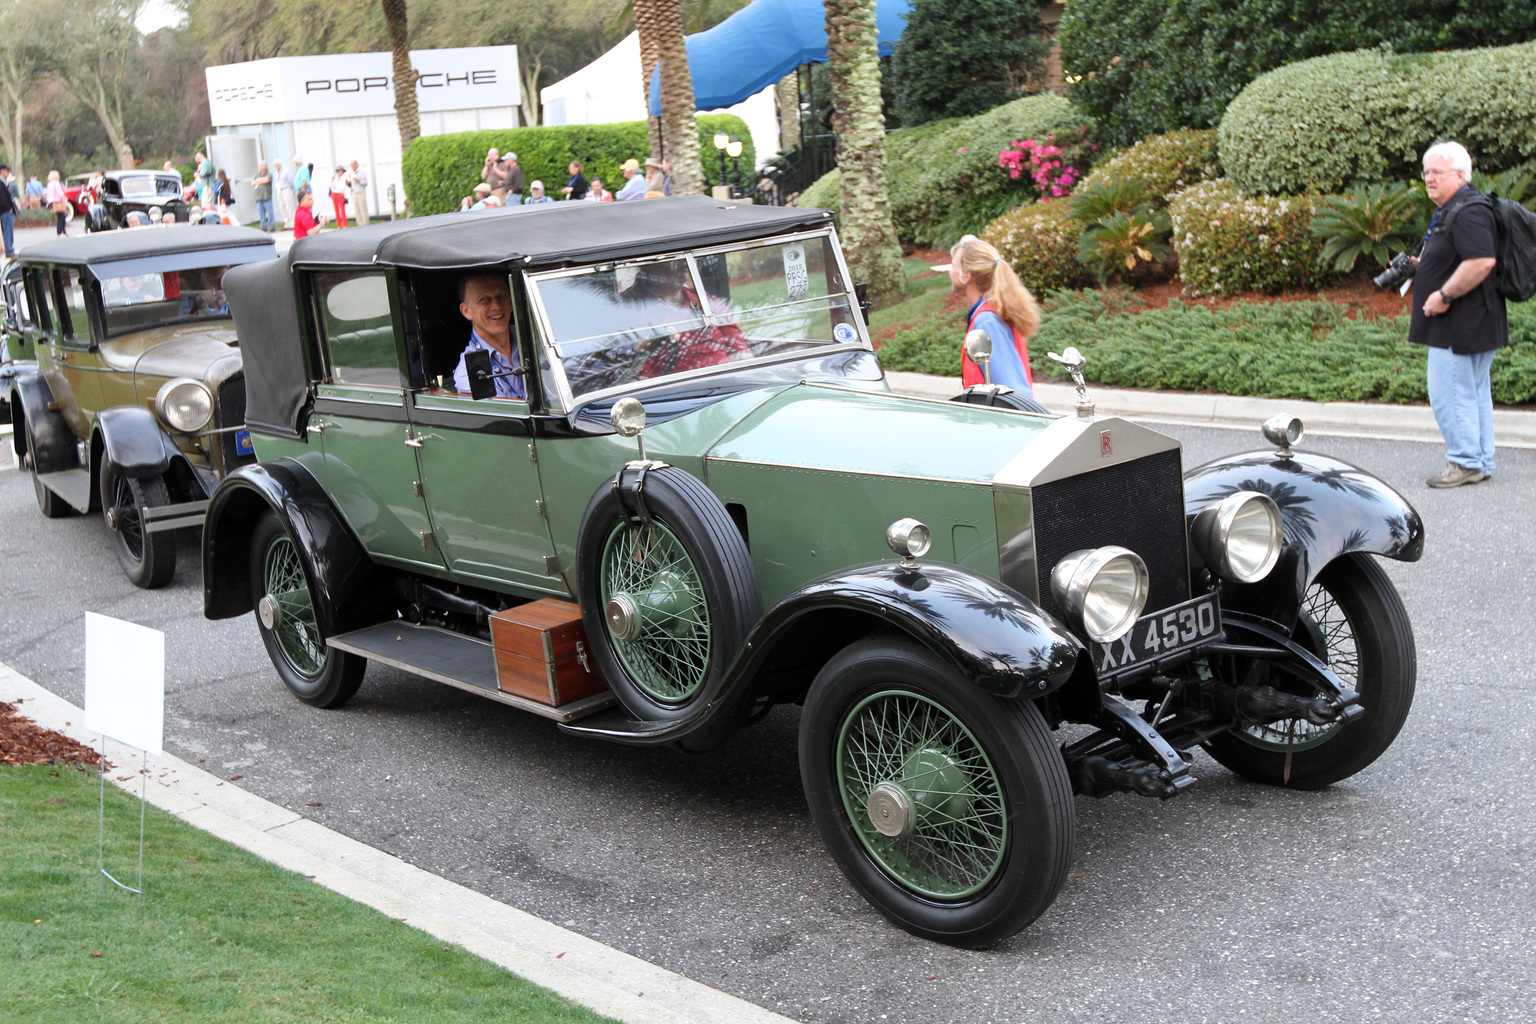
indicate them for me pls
(1053, 165)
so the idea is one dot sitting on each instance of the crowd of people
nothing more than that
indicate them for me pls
(502, 183)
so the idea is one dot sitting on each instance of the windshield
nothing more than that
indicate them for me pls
(148, 185)
(137, 302)
(615, 325)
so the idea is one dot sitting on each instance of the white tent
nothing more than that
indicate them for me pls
(609, 90)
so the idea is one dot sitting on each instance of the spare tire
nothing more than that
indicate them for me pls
(667, 590)
(981, 394)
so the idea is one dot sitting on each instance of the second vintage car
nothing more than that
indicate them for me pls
(150, 193)
(681, 492)
(136, 405)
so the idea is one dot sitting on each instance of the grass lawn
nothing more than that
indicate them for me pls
(225, 936)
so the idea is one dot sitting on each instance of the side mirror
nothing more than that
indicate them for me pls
(978, 345)
(481, 383)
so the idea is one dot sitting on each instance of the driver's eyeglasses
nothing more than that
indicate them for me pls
(1438, 174)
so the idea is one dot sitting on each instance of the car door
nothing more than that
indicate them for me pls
(65, 353)
(368, 463)
(480, 471)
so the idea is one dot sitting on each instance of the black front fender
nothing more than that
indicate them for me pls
(339, 570)
(136, 444)
(1329, 508)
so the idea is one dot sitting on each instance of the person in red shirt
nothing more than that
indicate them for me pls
(304, 218)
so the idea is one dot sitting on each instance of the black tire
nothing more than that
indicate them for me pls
(1354, 620)
(148, 559)
(48, 503)
(1003, 400)
(689, 581)
(316, 673)
(986, 859)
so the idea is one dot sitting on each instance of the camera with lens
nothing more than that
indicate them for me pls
(1399, 270)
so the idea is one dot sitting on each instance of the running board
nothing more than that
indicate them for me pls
(452, 658)
(73, 485)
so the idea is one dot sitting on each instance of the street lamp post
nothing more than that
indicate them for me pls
(722, 140)
(734, 149)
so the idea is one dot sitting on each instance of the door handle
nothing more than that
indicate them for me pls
(317, 427)
(412, 440)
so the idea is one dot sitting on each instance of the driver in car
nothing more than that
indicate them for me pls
(209, 300)
(709, 345)
(486, 302)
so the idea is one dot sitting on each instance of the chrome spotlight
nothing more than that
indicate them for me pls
(1282, 431)
(1102, 590)
(910, 539)
(1239, 536)
(628, 418)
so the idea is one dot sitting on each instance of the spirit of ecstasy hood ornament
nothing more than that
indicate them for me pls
(1073, 360)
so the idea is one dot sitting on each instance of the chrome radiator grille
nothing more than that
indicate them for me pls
(1138, 505)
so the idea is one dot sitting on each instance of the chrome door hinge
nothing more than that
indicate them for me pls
(551, 565)
(533, 453)
(413, 440)
(429, 540)
(417, 489)
(541, 508)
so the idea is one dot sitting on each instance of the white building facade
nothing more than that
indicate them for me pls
(332, 109)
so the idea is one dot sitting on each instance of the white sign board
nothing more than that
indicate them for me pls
(359, 85)
(125, 682)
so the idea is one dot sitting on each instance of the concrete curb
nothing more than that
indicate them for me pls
(1513, 428)
(583, 970)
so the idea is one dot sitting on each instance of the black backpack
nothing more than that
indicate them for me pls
(1515, 275)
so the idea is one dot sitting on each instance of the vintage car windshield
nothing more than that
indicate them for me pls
(611, 326)
(138, 302)
(148, 186)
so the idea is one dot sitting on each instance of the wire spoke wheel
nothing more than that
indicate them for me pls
(148, 559)
(667, 653)
(900, 749)
(1325, 629)
(295, 629)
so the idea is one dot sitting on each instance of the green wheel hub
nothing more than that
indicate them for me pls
(657, 614)
(921, 794)
(286, 609)
(1328, 633)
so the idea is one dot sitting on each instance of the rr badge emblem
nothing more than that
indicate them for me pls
(1106, 447)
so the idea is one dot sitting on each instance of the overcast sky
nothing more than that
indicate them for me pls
(157, 14)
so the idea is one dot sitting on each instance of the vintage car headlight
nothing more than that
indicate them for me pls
(908, 538)
(1239, 536)
(1102, 590)
(184, 404)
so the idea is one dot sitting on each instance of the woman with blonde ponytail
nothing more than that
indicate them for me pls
(1001, 306)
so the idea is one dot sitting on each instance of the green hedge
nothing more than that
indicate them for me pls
(944, 177)
(1309, 349)
(439, 170)
(1040, 241)
(1229, 242)
(1154, 65)
(1167, 163)
(1367, 116)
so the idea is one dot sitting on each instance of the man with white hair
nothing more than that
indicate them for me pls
(287, 200)
(359, 194)
(1459, 314)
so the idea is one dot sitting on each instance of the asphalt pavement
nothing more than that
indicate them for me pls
(1402, 893)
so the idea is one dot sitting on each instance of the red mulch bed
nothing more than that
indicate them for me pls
(22, 741)
(1361, 297)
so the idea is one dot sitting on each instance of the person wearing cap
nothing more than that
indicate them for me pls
(655, 179)
(536, 194)
(634, 182)
(477, 202)
(1000, 306)
(514, 181)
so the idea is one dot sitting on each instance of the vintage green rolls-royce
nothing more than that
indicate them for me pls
(686, 494)
(136, 405)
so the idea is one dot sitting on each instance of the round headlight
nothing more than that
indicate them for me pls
(184, 405)
(1102, 590)
(1239, 537)
(908, 538)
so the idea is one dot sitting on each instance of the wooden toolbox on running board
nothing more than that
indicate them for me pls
(542, 653)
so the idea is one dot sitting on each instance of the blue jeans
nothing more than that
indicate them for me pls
(264, 209)
(8, 229)
(1461, 395)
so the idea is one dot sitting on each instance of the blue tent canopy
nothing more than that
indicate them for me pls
(763, 42)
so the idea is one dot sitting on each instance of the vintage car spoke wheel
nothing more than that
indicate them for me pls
(666, 604)
(1353, 619)
(148, 559)
(48, 503)
(950, 809)
(285, 616)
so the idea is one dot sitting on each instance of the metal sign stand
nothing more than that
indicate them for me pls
(101, 827)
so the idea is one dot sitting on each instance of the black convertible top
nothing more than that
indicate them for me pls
(264, 301)
(114, 246)
(551, 234)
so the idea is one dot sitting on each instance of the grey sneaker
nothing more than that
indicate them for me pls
(1455, 476)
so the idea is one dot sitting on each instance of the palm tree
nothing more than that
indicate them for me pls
(661, 21)
(868, 234)
(406, 114)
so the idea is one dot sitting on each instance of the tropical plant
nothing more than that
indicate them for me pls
(1517, 184)
(407, 116)
(1100, 196)
(661, 22)
(1167, 163)
(868, 233)
(1125, 245)
(1374, 222)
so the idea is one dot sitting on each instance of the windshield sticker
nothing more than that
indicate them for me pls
(796, 279)
(845, 333)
